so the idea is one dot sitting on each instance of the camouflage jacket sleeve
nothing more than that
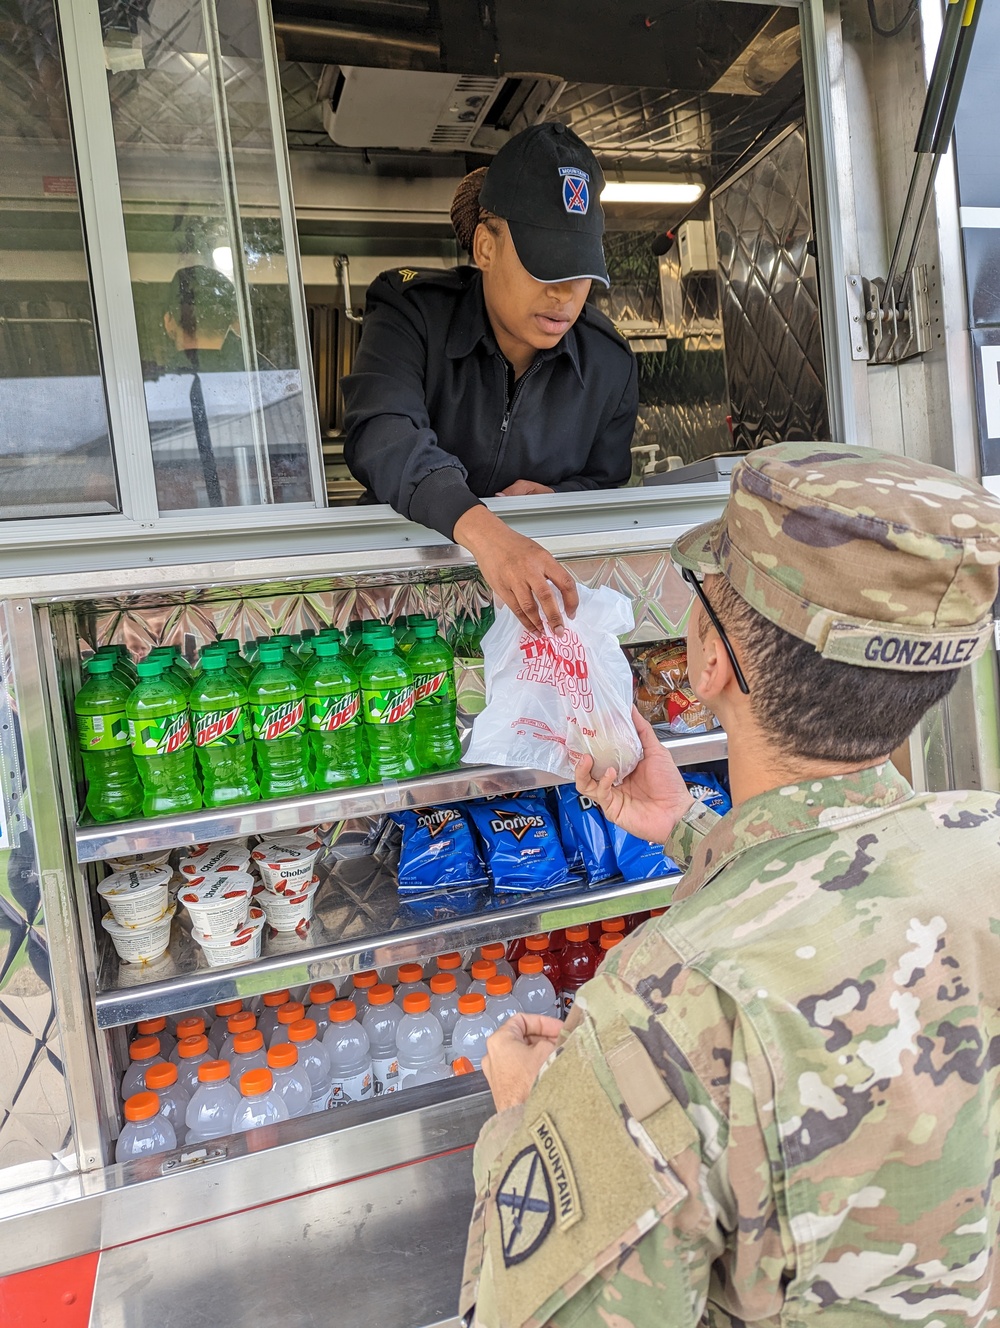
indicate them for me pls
(636, 1170)
(688, 833)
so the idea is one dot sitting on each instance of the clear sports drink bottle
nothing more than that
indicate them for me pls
(290, 1081)
(261, 1104)
(174, 1098)
(146, 1132)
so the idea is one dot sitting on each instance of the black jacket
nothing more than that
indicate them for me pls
(429, 426)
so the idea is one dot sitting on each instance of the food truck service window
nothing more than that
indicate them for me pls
(55, 446)
(218, 304)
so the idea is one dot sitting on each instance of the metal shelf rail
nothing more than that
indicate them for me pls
(94, 843)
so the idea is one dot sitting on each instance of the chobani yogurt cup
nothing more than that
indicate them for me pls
(286, 862)
(217, 903)
(136, 897)
(140, 945)
(240, 947)
(228, 855)
(157, 858)
(287, 912)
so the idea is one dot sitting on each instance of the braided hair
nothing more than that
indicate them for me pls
(466, 213)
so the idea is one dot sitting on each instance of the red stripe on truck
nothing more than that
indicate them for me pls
(57, 1295)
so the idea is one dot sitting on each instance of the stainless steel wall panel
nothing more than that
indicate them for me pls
(770, 298)
(386, 1250)
(36, 1135)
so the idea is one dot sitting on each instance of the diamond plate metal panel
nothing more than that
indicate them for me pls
(660, 597)
(770, 299)
(35, 1130)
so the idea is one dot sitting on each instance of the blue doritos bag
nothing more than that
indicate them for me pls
(585, 837)
(639, 860)
(438, 851)
(520, 844)
(705, 788)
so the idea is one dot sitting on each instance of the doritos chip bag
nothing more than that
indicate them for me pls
(639, 860)
(704, 787)
(520, 843)
(585, 836)
(438, 851)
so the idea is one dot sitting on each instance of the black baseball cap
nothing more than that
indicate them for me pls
(546, 184)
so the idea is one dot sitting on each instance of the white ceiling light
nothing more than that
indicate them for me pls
(651, 191)
(223, 259)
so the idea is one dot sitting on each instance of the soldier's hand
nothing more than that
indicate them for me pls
(651, 800)
(514, 1055)
(520, 488)
(520, 572)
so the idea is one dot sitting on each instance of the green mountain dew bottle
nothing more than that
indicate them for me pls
(113, 789)
(377, 631)
(219, 722)
(234, 660)
(174, 661)
(352, 639)
(432, 664)
(160, 732)
(387, 707)
(292, 660)
(277, 707)
(124, 667)
(333, 707)
(408, 640)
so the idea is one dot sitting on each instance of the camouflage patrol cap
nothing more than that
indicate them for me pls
(876, 560)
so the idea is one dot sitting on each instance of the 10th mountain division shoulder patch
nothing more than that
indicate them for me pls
(525, 1205)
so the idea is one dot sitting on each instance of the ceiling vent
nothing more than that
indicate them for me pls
(412, 110)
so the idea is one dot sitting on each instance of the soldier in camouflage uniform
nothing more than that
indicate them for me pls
(779, 1103)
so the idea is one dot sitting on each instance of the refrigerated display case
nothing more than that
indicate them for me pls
(167, 142)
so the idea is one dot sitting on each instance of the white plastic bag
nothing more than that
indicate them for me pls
(551, 700)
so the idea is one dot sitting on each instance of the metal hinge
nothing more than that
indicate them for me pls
(198, 1157)
(888, 331)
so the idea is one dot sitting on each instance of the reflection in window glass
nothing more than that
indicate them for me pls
(196, 159)
(55, 448)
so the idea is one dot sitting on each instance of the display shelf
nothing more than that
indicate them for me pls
(360, 923)
(94, 843)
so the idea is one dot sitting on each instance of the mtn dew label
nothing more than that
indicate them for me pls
(433, 688)
(328, 714)
(102, 733)
(271, 722)
(219, 728)
(160, 736)
(387, 705)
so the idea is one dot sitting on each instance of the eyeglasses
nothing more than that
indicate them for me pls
(713, 618)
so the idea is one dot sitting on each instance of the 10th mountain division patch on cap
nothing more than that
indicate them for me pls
(876, 560)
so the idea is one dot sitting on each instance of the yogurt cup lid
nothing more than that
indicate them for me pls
(135, 881)
(216, 889)
(253, 924)
(155, 858)
(287, 848)
(116, 929)
(226, 856)
(299, 897)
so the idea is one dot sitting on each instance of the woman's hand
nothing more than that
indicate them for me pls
(521, 487)
(520, 572)
(651, 800)
(515, 1054)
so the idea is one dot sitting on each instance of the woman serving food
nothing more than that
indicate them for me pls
(498, 379)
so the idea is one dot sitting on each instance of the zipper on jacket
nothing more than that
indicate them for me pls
(509, 411)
